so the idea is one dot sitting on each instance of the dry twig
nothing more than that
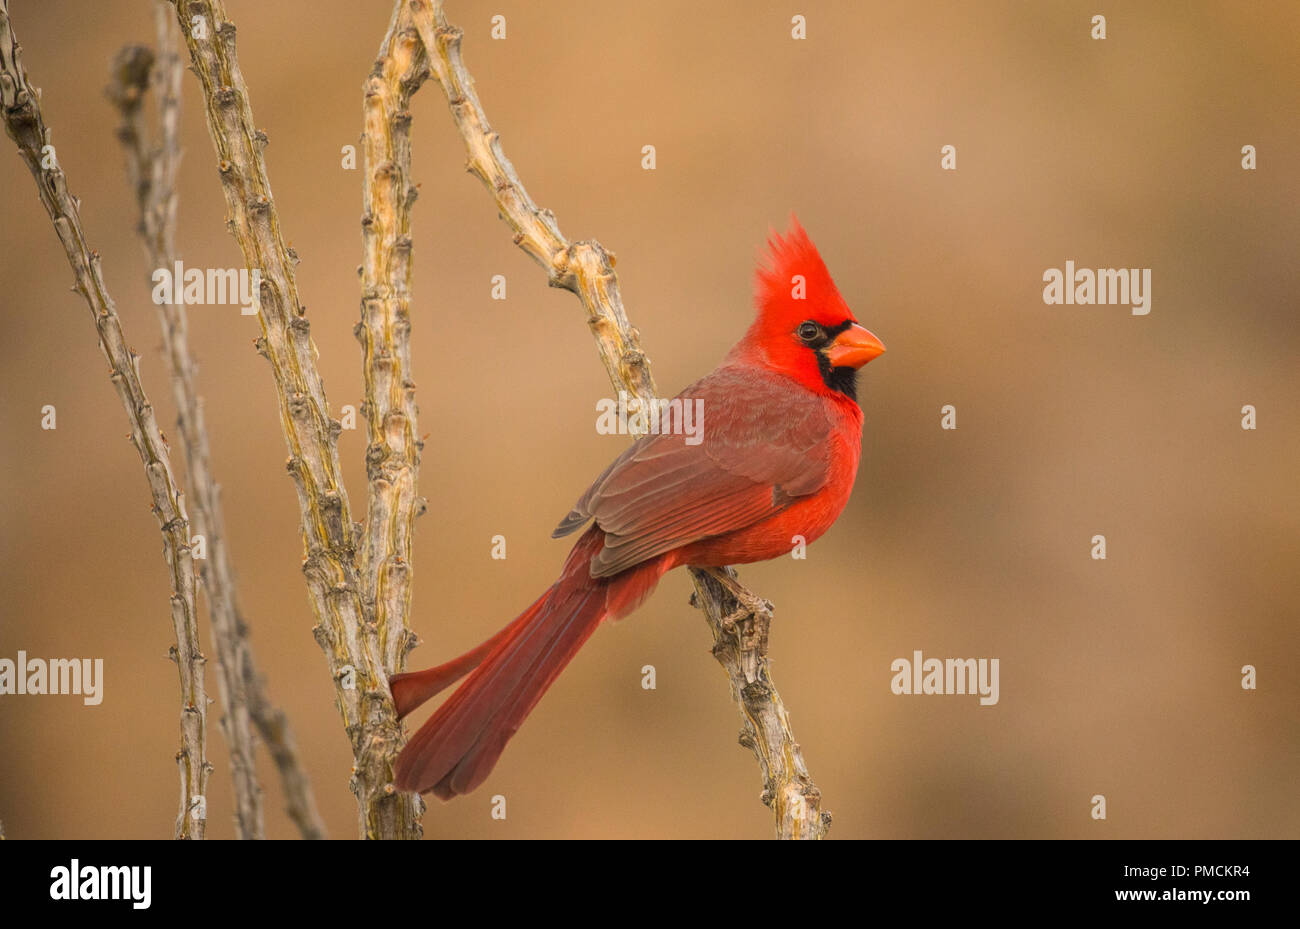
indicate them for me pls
(24, 123)
(393, 454)
(739, 628)
(245, 702)
(345, 628)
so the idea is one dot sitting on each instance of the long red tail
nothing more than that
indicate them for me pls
(414, 688)
(457, 748)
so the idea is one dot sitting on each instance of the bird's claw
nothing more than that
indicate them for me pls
(747, 606)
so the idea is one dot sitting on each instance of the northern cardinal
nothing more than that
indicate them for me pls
(779, 451)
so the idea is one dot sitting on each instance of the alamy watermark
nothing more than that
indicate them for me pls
(181, 286)
(946, 676)
(39, 676)
(629, 416)
(1104, 286)
(133, 883)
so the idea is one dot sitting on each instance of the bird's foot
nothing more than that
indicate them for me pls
(748, 604)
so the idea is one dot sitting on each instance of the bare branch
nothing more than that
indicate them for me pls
(740, 644)
(345, 629)
(739, 624)
(584, 268)
(273, 726)
(393, 455)
(245, 702)
(26, 126)
(153, 174)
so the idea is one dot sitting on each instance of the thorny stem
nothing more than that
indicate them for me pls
(393, 453)
(346, 629)
(245, 701)
(24, 124)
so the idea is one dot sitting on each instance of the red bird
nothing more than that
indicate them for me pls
(780, 444)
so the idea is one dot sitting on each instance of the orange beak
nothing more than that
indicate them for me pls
(853, 348)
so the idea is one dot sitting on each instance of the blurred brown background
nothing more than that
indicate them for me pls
(1118, 677)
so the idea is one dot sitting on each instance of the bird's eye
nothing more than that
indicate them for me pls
(809, 331)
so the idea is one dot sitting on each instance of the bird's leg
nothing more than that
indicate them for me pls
(750, 604)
